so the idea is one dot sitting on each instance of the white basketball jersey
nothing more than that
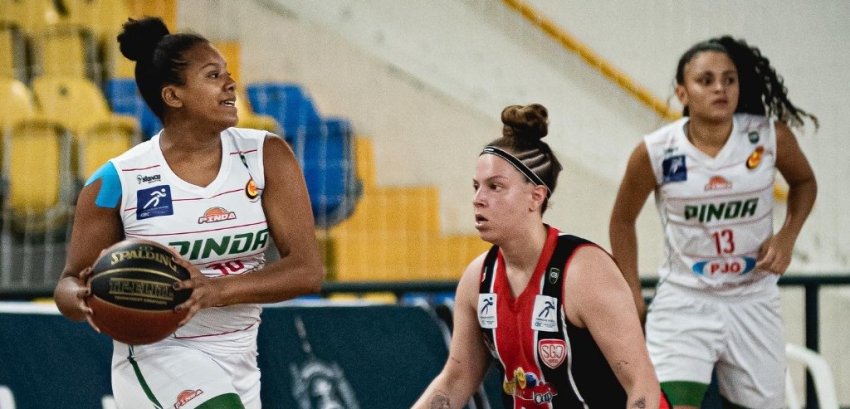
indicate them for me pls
(221, 228)
(716, 212)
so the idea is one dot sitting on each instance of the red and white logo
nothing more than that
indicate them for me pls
(184, 397)
(216, 214)
(552, 352)
(718, 183)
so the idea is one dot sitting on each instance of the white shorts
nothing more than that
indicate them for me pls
(689, 333)
(180, 377)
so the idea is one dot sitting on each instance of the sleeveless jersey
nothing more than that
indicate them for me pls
(220, 228)
(546, 361)
(716, 212)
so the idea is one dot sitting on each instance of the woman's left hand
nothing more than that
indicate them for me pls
(204, 293)
(775, 254)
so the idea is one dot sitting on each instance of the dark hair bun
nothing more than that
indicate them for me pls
(528, 123)
(139, 39)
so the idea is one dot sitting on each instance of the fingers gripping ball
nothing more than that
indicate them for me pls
(132, 295)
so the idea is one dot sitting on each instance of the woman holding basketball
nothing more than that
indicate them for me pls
(717, 302)
(218, 196)
(552, 309)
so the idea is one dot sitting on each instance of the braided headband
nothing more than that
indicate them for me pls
(521, 167)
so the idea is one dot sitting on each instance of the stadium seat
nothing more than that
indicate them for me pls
(12, 53)
(329, 173)
(288, 104)
(65, 50)
(31, 15)
(40, 188)
(124, 97)
(16, 102)
(249, 119)
(78, 104)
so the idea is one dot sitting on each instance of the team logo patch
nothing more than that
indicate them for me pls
(251, 190)
(216, 214)
(718, 183)
(487, 311)
(674, 169)
(552, 352)
(153, 202)
(753, 136)
(184, 397)
(755, 158)
(148, 179)
(545, 314)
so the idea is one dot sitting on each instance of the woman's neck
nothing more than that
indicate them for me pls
(523, 252)
(707, 136)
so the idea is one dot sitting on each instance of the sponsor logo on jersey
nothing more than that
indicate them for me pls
(527, 386)
(552, 352)
(545, 314)
(487, 311)
(755, 158)
(184, 397)
(153, 202)
(225, 245)
(148, 179)
(216, 214)
(726, 266)
(733, 209)
(718, 183)
(251, 190)
(674, 169)
(554, 274)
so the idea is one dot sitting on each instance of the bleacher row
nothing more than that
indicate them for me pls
(68, 102)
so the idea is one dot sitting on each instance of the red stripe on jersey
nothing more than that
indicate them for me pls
(135, 169)
(194, 231)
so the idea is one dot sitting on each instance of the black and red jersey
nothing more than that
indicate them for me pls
(547, 362)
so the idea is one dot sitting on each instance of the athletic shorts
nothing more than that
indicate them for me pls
(180, 377)
(690, 332)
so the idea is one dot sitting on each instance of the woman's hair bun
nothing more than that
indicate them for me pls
(139, 39)
(529, 123)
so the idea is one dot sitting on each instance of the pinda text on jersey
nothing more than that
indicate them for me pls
(733, 209)
(232, 244)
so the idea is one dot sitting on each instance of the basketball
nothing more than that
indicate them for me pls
(131, 292)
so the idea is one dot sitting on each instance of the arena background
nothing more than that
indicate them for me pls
(421, 85)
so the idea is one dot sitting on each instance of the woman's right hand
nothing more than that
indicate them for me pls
(83, 294)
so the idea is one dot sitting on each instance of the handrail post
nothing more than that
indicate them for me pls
(812, 291)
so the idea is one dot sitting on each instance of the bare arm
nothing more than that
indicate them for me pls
(95, 228)
(468, 357)
(290, 219)
(603, 306)
(637, 184)
(775, 254)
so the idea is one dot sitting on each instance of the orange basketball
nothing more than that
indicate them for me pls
(132, 295)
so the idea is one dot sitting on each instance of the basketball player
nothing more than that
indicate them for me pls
(215, 194)
(552, 309)
(717, 302)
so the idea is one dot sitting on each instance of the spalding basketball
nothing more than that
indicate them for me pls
(131, 292)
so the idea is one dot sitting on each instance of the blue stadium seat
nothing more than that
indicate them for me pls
(286, 103)
(329, 171)
(124, 98)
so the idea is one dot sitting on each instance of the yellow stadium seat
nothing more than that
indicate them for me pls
(80, 106)
(39, 185)
(30, 15)
(16, 102)
(102, 17)
(65, 50)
